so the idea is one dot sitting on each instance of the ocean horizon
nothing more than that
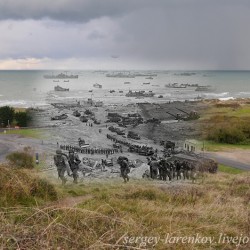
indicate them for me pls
(29, 88)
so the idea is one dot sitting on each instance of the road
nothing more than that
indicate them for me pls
(228, 162)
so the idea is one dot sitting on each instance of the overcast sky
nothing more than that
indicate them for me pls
(125, 34)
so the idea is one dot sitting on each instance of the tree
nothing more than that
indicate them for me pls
(7, 115)
(22, 119)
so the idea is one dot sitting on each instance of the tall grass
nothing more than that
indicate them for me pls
(108, 211)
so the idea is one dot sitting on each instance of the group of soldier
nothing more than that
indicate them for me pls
(67, 163)
(162, 169)
(158, 168)
(144, 150)
(87, 150)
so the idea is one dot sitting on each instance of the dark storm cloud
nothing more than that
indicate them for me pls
(69, 10)
(203, 33)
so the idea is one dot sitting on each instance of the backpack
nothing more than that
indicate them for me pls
(59, 161)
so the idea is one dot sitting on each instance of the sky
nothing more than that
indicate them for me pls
(125, 34)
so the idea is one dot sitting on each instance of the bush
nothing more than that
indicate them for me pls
(228, 135)
(17, 186)
(21, 160)
(22, 119)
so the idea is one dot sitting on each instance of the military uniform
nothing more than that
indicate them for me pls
(124, 167)
(74, 162)
(60, 161)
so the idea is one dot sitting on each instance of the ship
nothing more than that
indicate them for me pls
(58, 88)
(127, 82)
(150, 77)
(176, 86)
(140, 93)
(146, 83)
(206, 88)
(96, 85)
(120, 75)
(145, 74)
(60, 76)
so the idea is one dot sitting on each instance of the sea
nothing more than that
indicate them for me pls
(29, 88)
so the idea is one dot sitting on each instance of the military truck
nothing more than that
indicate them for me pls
(76, 113)
(133, 135)
(83, 119)
(59, 117)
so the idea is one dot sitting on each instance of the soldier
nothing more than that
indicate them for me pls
(178, 169)
(60, 161)
(153, 163)
(163, 169)
(124, 167)
(74, 162)
(185, 170)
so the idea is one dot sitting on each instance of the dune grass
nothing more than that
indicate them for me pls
(106, 214)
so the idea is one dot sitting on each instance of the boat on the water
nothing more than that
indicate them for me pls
(150, 77)
(145, 74)
(60, 76)
(146, 83)
(206, 88)
(176, 86)
(97, 85)
(59, 88)
(120, 75)
(126, 82)
(140, 93)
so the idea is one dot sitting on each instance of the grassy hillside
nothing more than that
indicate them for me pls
(109, 214)
(227, 123)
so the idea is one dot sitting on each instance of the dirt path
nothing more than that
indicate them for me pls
(70, 202)
(235, 158)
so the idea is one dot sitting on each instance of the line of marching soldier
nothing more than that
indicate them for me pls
(132, 147)
(104, 151)
(162, 169)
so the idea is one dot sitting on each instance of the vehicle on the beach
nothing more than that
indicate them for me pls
(97, 85)
(133, 135)
(76, 113)
(58, 88)
(82, 143)
(153, 120)
(168, 145)
(83, 118)
(193, 115)
(59, 117)
(60, 76)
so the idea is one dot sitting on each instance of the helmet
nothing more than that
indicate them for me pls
(58, 151)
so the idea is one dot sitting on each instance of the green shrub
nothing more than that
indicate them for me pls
(21, 160)
(230, 135)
